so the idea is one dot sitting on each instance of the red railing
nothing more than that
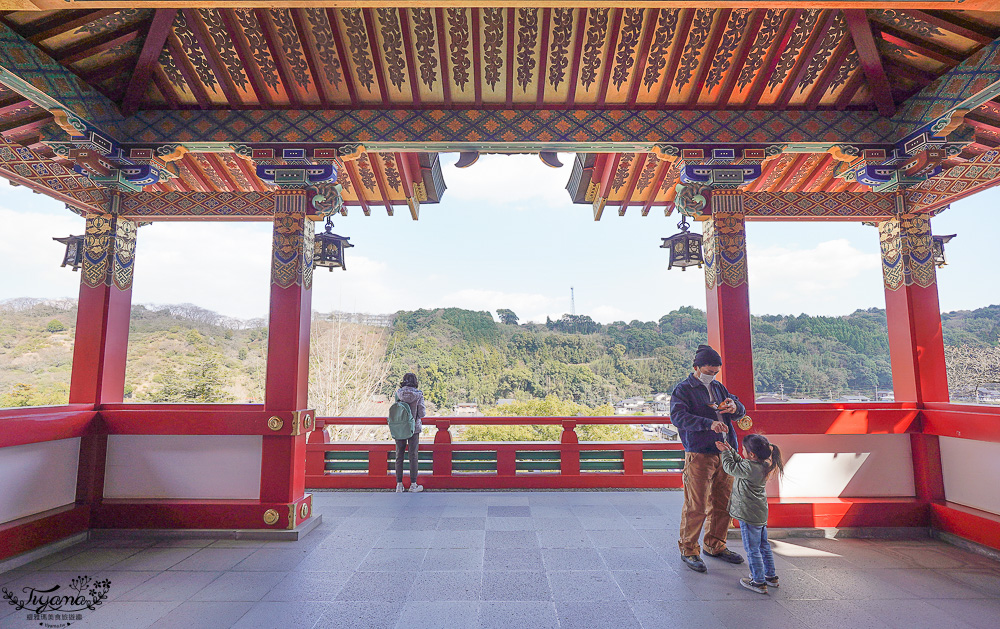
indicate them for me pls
(445, 464)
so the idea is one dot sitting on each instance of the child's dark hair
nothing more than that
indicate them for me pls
(764, 450)
(409, 380)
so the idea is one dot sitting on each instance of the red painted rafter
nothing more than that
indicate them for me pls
(96, 45)
(806, 58)
(664, 168)
(250, 174)
(28, 124)
(850, 89)
(769, 166)
(411, 66)
(774, 56)
(269, 32)
(13, 104)
(120, 69)
(543, 57)
(822, 85)
(651, 19)
(609, 58)
(303, 32)
(165, 88)
(383, 86)
(359, 189)
(753, 28)
(57, 24)
(194, 169)
(637, 169)
(809, 181)
(477, 62)
(871, 61)
(443, 56)
(405, 176)
(223, 171)
(574, 74)
(927, 49)
(608, 174)
(789, 172)
(338, 43)
(722, 21)
(190, 77)
(215, 63)
(383, 187)
(511, 20)
(680, 41)
(953, 24)
(234, 32)
(909, 73)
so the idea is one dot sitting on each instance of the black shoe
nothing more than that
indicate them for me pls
(726, 555)
(750, 584)
(771, 581)
(695, 563)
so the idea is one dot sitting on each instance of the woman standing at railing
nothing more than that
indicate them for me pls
(409, 393)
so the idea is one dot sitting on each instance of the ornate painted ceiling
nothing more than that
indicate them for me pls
(478, 78)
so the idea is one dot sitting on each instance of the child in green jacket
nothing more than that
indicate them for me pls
(748, 504)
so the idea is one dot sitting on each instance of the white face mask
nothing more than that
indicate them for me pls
(706, 378)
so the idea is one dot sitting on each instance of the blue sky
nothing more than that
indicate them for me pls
(505, 236)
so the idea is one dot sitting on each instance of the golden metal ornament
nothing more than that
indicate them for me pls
(275, 423)
(270, 517)
(304, 510)
(745, 422)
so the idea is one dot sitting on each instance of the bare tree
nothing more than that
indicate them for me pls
(348, 369)
(969, 368)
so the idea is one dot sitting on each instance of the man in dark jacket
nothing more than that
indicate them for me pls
(703, 412)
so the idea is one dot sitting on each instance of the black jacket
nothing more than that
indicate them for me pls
(693, 417)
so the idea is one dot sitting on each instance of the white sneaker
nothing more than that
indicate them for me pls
(416, 488)
(399, 488)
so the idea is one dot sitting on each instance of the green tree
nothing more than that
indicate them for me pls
(55, 325)
(507, 317)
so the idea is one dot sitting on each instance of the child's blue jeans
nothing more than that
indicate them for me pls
(758, 551)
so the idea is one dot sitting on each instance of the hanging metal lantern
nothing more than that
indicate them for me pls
(329, 248)
(685, 247)
(74, 251)
(938, 243)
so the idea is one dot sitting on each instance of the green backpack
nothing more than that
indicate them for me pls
(401, 424)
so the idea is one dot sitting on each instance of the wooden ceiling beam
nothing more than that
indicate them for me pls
(643, 53)
(543, 57)
(820, 168)
(664, 168)
(119, 69)
(511, 20)
(156, 38)
(338, 43)
(411, 65)
(765, 172)
(574, 74)
(822, 85)
(774, 56)
(13, 103)
(789, 172)
(233, 31)
(223, 171)
(250, 174)
(94, 46)
(640, 164)
(921, 78)
(270, 35)
(477, 59)
(850, 89)
(21, 126)
(165, 88)
(380, 182)
(215, 63)
(914, 44)
(57, 24)
(359, 189)
(443, 55)
(806, 58)
(299, 22)
(753, 28)
(871, 61)
(194, 168)
(187, 71)
(609, 57)
(722, 22)
(973, 31)
(683, 29)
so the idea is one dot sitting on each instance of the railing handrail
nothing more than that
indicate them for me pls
(627, 420)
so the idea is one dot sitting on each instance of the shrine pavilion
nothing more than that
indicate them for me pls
(718, 113)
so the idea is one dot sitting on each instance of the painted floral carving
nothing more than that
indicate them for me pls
(268, 71)
(357, 40)
(561, 38)
(423, 29)
(765, 39)
(597, 31)
(803, 29)
(458, 30)
(627, 41)
(700, 29)
(527, 37)
(493, 21)
(290, 47)
(731, 38)
(392, 46)
(224, 47)
(325, 46)
(665, 27)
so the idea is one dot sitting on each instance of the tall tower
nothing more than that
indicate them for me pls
(572, 302)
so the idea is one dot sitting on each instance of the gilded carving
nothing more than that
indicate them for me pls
(193, 51)
(97, 245)
(224, 46)
(366, 172)
(423, 29)
(728, 246)
(762, 43)
(844, 71)
(290, 47)
(621, 173)
(731, 39)
(527, 37)
(392, 46)
(646, 176)
(275, 423)
(803, 29)
(561, 38)
(625, 53)
(308, 254)
(708, 246)
(270, 517)
(357, 40)
(458, 30)
(493, 22)
(597, 31)
(907, 251)
(289, 260)
(700, 29)
(166, 61)
(124, 254)
(322, 33)
(391, 174)
(820, 60)
(304, 511)
(905, 22)
(657, 61)
(261, 55)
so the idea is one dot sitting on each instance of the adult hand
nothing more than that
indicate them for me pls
(722, 445)
(719, 427)
(727, 406)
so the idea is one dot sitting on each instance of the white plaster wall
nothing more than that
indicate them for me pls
(971, 469)
(844, 466)
(183, 466)
(37, 477)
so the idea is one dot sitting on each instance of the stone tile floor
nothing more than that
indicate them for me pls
(512, 560)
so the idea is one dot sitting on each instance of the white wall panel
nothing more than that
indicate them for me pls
(183, 466)
(971, 469)
(844, 466)
(37, 477)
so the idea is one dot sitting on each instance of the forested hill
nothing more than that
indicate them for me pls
(462, 355)
(188, 354)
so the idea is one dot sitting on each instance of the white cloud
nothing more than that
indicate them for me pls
(29, 255)
(520, 182)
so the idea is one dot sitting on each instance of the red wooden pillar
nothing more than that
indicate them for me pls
(916, 343)
(101, 342)
(727, 293)
(287, 387)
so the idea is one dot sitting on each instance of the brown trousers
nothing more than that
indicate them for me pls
(706, 503)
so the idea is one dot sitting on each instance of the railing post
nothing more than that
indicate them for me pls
(441, 465)
(506, 460)
(569, 450)
(632, 462)
(378, 462)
